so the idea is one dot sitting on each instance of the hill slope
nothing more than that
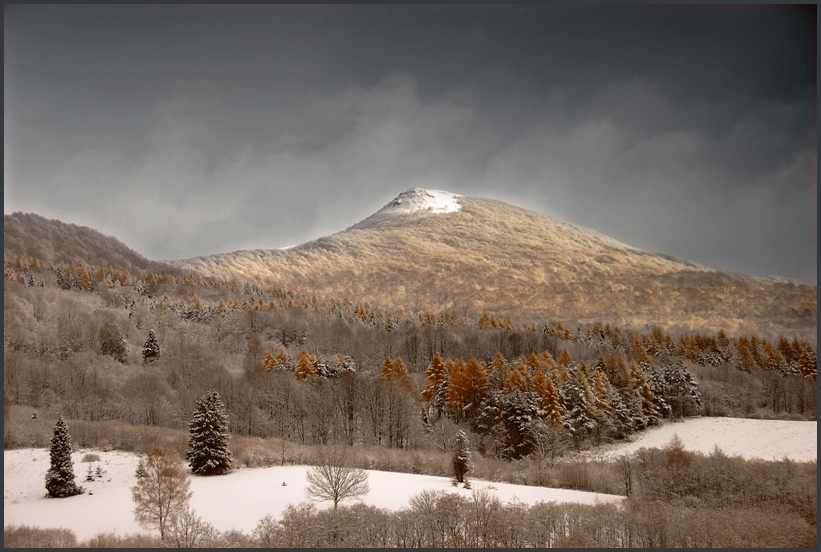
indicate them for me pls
(59, 242)
(484, 255)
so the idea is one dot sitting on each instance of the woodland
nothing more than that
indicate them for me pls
(124, 353)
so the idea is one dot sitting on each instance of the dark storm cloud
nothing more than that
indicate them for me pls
(189, 130)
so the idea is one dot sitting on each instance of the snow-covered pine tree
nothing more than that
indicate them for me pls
(208, 452)
(60, 476)
(140, 471)
(462, 462)
(151, 349)
(518, 411)
(577, 419)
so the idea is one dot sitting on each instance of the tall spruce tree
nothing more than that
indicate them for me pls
(151, 349)
(60, 476)
(208, 452)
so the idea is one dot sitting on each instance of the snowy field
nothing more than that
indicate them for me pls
(234, 501)
(239, 500)
(764, 439)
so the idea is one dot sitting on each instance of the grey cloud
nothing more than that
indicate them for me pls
(188, 130)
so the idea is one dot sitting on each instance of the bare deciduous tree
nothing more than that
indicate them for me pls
(335, 479)
(188, 530)
(162, 493)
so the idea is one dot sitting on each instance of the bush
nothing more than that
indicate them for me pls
(25, 536)
(90, 457)
(113, 540)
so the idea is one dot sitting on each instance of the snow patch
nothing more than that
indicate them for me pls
(418, 199)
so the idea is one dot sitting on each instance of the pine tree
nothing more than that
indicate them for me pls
(60, 476)
(151, 349)
(208, 452)
(462, 462)
(63, 279)
(140, 471)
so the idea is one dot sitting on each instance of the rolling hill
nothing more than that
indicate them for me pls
(59, 242)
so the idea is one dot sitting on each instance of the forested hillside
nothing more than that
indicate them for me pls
(58, 242)
(323, 372)
(493, 257)
(124, 353)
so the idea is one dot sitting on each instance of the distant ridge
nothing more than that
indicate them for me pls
(59, 242)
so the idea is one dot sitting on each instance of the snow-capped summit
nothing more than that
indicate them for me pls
(418, 199)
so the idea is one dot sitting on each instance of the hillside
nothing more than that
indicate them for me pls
(489, 256)
(59, 242)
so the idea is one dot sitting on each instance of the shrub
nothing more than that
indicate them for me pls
(25, 536)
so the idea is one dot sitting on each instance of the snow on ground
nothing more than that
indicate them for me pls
(239, 500)
(764, 439)
(234, 501)
(417, 199)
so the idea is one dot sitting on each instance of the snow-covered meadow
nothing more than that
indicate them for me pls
(239, 500)
(763, 439)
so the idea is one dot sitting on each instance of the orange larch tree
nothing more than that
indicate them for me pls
(305, 365)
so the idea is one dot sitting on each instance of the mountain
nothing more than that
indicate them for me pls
(59, 242)
(432, 250)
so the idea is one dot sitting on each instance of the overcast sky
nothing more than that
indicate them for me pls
(191, 130)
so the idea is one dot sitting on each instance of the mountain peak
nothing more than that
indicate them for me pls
(419, 199)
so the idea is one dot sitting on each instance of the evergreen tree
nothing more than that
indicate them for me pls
(518, 410)
(435, 392)
(151, 349)
(208, 452)
(577, 417)
(60, 476)
(462, 462)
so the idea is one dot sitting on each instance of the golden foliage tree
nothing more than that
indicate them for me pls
(163, 490)
(305, 365)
